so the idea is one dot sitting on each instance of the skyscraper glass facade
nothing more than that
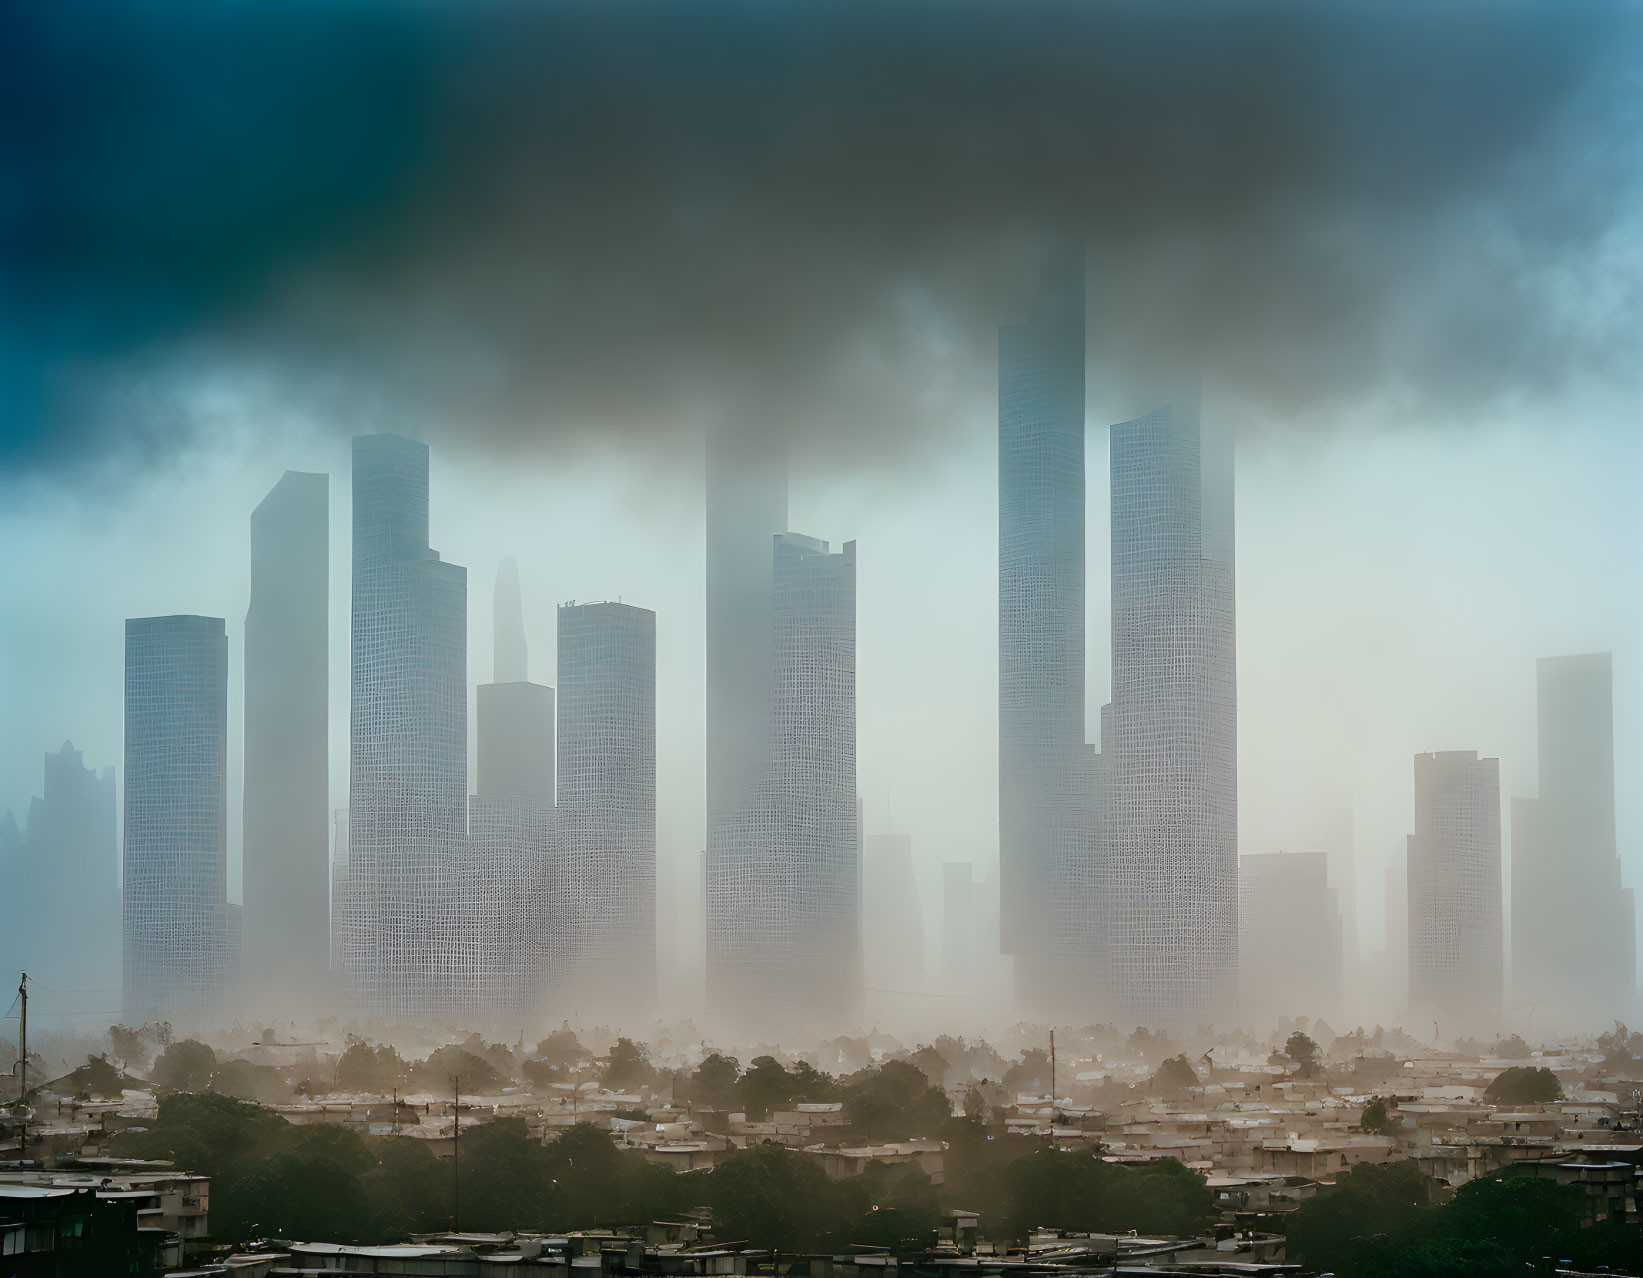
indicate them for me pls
(177, 932)
(789, 873)
(1455, 954)
(287, 781)
(1573, 922)
(406, 951)
(607, 803)
(1044, 765)
(1166, 886)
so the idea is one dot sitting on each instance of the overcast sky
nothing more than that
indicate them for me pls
(1403, 246)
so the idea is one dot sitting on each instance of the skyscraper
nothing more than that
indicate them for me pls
(406, 951)
(177, 931)
(1455, 954)
(1573, 923)
(1168, 769)
(892, 915)
(287, 781)
(1043, 762)
(66, 866)
(511, 824)
(746, 508)
(958, 928)
(340, 912)
(1290, 952)
(607, 802)
(784, 891)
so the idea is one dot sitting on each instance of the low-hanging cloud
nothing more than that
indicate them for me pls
(612, 223)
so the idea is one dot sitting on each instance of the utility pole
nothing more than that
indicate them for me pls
(1052, 1082)
(456, 1153)
(23, 1062)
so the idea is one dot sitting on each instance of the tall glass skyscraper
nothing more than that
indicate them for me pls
(179, 955)
(1167, 776)
(66, 865)
(511, 860)
(1043, 762)
(786, 882)
(1573, 922)
(406, 951)
(746, 507)
(287, 800)
(1455, 924)
(607, 804)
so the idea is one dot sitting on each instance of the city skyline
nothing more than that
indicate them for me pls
(922, 289)
(508, 636)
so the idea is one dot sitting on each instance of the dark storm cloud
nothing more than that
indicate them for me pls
(513, 221)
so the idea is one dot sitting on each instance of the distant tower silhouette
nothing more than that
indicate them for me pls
(407, 951)
(1044, 781)
(181, 952)
(287, 781)
(1455, 953)
(1573, 922)
(512, 864)
(607, 804)
(1167, 774)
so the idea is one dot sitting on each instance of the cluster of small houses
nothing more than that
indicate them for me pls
(1264, 1140)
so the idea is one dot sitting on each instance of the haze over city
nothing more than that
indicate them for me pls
(822, 639)
(1400, 251)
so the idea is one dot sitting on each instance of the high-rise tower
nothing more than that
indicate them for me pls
(607, 803)
(1167, 778)
(1043, 762)
(1455, 953)
(287, 808)
(511, 825)
(1573, 923)
(179, 937)
(746, 508)
(66, 866)
(786, 882)
(406, 950)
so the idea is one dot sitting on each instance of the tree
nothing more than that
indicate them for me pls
(1302, 1053)
(561, 1049)
(311, 1190)
(1374, 1117)
(185, 1067)
(932, 1064)
(774, 1198)
(409, 1188)
(261, 1083)
(1512, 1049)
(97, 1077)
(1061, 1190)
(713, 1082)
(1029, 1074)
(766, 1085)
(1620, 1047)
(1149, 1044)
(508, 1180)
(1524, 1085)
(888, 1206)
(975, 1104)
(628, 1066)
(207, 1132)
(128, 1046)
(1327, 1230)
(363, 1068)
(894, 1101)
(1175, 1075)
(474, 1073)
